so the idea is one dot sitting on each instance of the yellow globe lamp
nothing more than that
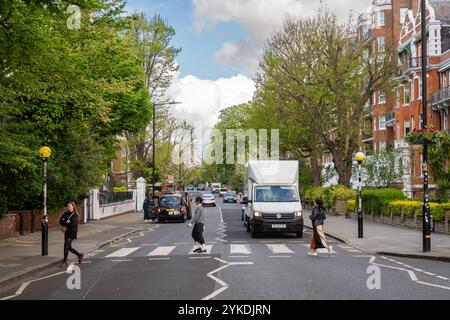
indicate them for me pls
(360, 157)
(45, 152)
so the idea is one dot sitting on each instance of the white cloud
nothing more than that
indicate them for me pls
(260, 18)
(202, 100)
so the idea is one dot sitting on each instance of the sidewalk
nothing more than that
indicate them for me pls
(385, 239)
(22, 255)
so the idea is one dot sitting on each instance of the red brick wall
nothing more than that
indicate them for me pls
(7, 226)
(53, 218)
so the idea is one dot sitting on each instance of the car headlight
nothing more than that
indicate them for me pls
(257, 214)
(298, 214)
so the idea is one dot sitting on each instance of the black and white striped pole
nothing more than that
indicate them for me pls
(360, 158)
(45, 153)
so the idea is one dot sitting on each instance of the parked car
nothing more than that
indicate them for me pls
(172, 207)
(209, 199)
(230, 196)
(200, 187)
(190, 187)
(222, 192)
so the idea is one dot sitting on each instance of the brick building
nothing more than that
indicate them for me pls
(390, 116)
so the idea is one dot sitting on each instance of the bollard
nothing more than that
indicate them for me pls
(21, 224)
(33, 221)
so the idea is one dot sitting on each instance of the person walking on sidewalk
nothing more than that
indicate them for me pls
(318, 217)
(69, 223)
(199, 223)
(146, 208)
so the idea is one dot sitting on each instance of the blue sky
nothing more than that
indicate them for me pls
(198, 47)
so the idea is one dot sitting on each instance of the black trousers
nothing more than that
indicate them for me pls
(197, 233)
(68, 247)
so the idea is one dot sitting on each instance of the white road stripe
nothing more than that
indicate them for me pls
(179, 243)
(279, 248)
(208, 250)
(240, 249)
(442, 278)
(238, 257)
(206, 257)
(157, 259)
(121, 253)
(430, 274)
(123, 260)
(278, 256)
(353, 250)
(161, 251)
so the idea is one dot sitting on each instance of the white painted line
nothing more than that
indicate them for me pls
(142, 234)
(347, 247)
(372, 259)
(220, 260)
(179, 243)
(354, 250)
(237, 257)
(10, 297)
(241, 263)
(50, 276)
(161, 251)
(323, 250)
(157, 259)
(279, 248)
(433, 285)
(213, 242)
(400, 263)
(238, 241)
(121, 253)
(131, 228)
(442, 278)
(149, 244)
(240, 249)
(22, 288)
(129, 240)
(207, 257)
(280, 256)
(418, 270)
(215, 293)
(430, 274)
(208, 250)
(123, 260)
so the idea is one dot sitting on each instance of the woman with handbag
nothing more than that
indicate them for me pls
(69, 225)
(317, 217)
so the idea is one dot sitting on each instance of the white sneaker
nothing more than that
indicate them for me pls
(312, 253)
(330, 250)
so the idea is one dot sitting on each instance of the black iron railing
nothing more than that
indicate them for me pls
(106, 197)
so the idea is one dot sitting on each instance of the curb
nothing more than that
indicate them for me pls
(41, 267)
(386, 253)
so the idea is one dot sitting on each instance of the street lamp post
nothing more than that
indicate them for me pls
(360, 158)
(426, 219)
(45, 153)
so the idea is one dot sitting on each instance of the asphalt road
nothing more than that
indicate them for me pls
(157, 264)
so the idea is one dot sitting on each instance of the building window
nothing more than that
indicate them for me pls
(444, 80)
(382, 145)
(380, 43)
(445, 127)
(419, 89)
(382, 122)
(381, 18)
(403, 13)
(398, 130)
(406, 127)
(397, 97)
(406, 94)
(381, 97)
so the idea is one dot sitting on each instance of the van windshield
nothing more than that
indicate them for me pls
(276, 194)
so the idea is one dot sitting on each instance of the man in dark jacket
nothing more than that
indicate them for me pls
(146, 208)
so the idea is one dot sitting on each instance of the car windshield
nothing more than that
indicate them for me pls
(207, 196)
(230, 194)
(170, 202)
(276, 194)
(223, 190)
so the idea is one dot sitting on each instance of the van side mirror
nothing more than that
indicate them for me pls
(244, 200)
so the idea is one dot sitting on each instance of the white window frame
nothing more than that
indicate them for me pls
(382, 122)
(398, 130)
(374, 123)
(381, 43)
(403, 14)
(383, 145)
(381, 97)
(406, 126)
(407, 88)
(419, 96)
(412, 124)
(381, 17)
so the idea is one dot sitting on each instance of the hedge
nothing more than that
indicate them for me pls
(330, 195)
(377, 200)
(409, 207)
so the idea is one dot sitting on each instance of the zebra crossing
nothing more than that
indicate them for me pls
(235, 250)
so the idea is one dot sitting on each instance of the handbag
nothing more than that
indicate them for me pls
(64, 228)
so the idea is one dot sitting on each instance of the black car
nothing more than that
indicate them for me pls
(230, 197)
(172, 207)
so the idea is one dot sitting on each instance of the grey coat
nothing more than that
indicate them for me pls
(199, 216)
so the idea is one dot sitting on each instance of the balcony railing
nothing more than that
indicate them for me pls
(413, 63)
(440, 99)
